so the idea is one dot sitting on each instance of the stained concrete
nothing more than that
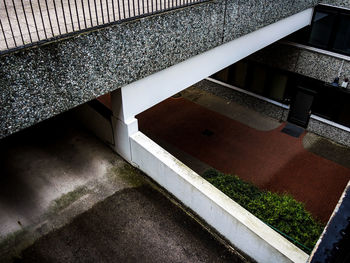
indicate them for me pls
(51, 173)
(133, 225)
(332, 151)
(249, 103)
(56, 176)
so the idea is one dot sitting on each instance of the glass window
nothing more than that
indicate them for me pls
(222, 75)
(277, 86)
(344, 116)
(342, 38)
(258, 79)
(239, 74)
(321, 29)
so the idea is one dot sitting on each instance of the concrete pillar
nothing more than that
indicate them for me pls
(123, 126)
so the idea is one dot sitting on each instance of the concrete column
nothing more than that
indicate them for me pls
(123, 126)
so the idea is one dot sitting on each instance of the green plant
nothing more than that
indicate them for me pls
(281, 211)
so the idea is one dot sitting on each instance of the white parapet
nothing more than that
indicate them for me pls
(241, 228)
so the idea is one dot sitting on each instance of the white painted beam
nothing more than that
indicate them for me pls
(147, 92)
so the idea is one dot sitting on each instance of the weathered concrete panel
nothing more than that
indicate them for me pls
(42, 82)
(278, 56)
(338, 135)
(345, 71)
(318, 66)
(300, 5)
(278, 9)
(339, 3)
(243, 17)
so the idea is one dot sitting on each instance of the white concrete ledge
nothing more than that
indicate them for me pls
(240, 227)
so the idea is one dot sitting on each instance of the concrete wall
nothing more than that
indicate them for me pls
(317, 64)
(39, 83)
(303, 61)
(339, 3)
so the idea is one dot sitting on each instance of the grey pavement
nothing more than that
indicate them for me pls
(66, 197)
(133, 225)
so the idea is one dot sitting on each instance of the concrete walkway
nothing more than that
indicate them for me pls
(23, 22)
(133, 225)
(66, 197)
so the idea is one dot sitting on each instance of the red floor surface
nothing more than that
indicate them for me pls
(271, 160)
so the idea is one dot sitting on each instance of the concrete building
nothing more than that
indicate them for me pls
(145, 57)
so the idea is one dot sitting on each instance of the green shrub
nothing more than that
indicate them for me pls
(281, 211)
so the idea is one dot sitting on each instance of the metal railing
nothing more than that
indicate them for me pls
(25, 23)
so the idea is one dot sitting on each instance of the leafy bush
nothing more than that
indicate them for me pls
(281, 211)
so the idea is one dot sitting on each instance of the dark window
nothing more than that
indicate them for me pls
(239, 74)
(258, 79)
(342, 38)
(322, 27)
(329, 30)
(277, 86)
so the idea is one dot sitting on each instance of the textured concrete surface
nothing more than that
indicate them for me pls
(305, 62)
(338, 135)
(345, 70)
(230, 109)
(278, 56)
(39, 83)
(133, 225)
(318, 66)
(247, 101)
(338, 3)
(243, 17)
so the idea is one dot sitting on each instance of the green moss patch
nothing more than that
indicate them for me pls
(127, 173)
(280, 211)
(67, 199)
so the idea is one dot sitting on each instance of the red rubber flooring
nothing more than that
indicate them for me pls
(271, 160)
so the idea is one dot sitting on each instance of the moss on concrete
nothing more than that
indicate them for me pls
(127, 173)
(12, 245)
(67, 199)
